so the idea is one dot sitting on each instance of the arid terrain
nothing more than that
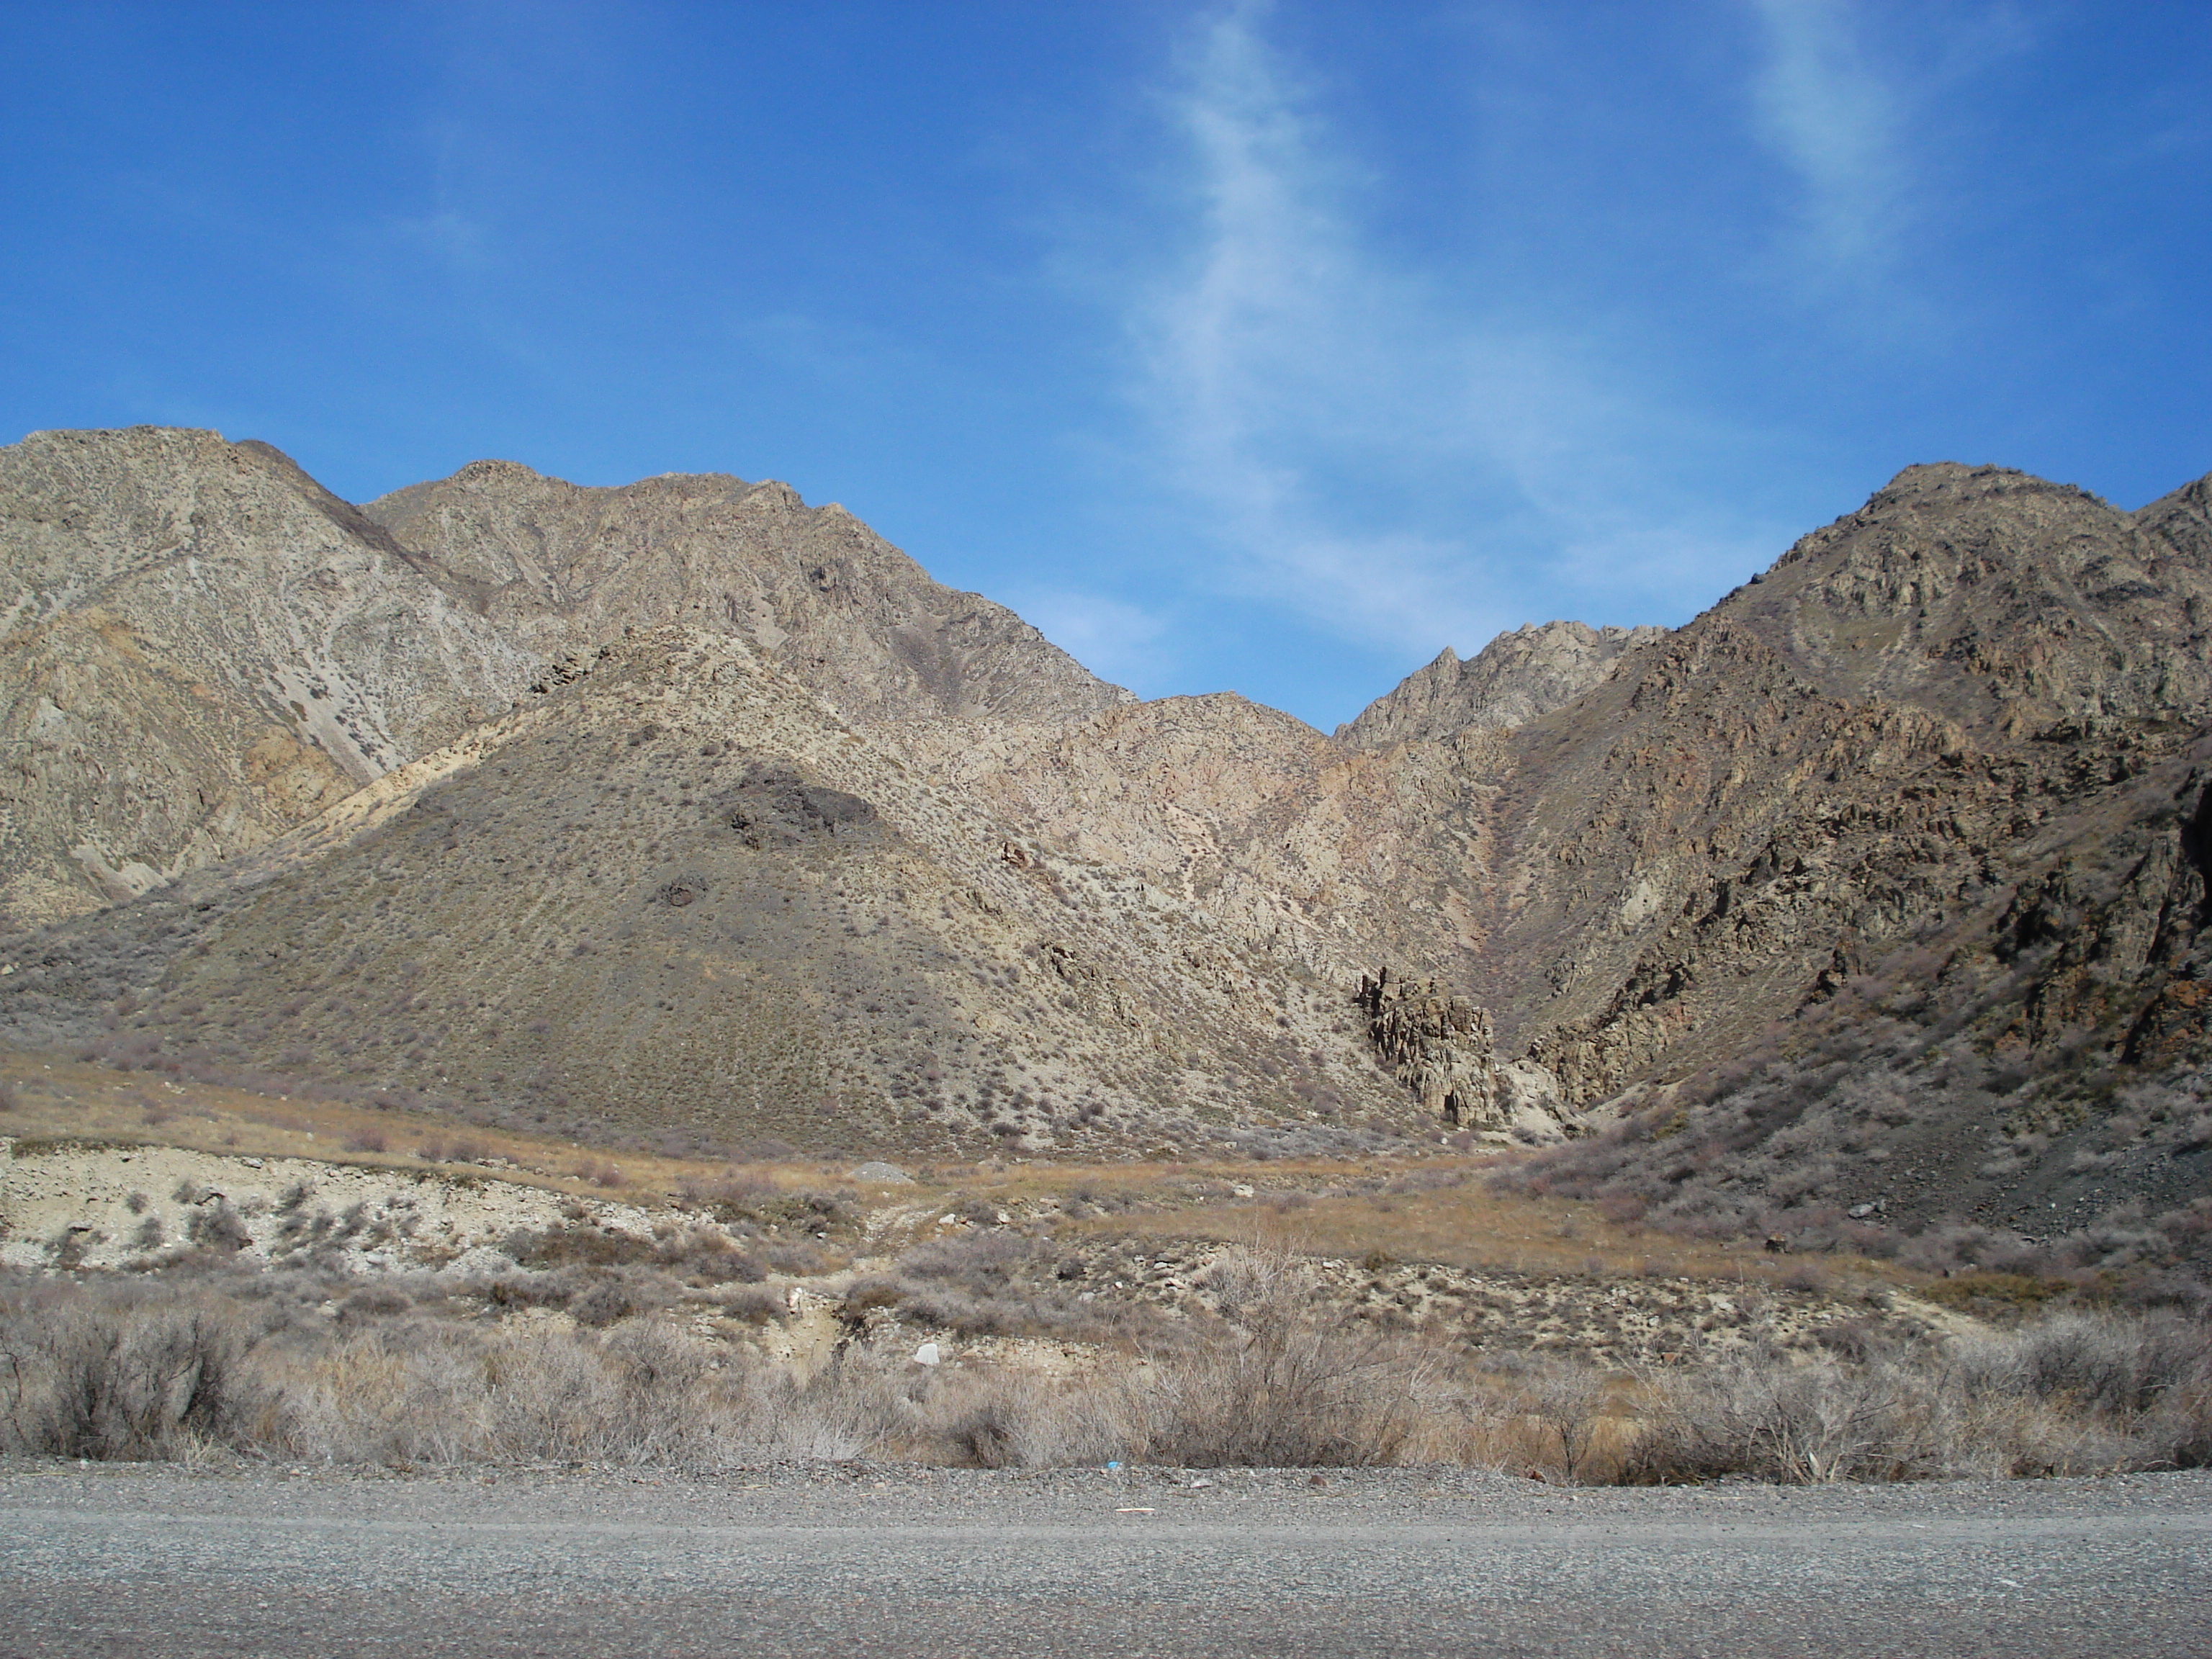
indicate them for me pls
(511, 929)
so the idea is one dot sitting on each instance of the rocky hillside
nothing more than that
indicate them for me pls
(205, 647)
(681, 808)
(1509, 682)
(1861, 769)
(556, 567)
(678, 898)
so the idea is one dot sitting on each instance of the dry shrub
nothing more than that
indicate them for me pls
(441, 1393)
(134, 1368)
(2077, 1394)
(1012, 1418)
(732, 1195)
(78, 1379)
(1280, 1385)
(1567, 1400)
(1772, 1418)
(614, 1298)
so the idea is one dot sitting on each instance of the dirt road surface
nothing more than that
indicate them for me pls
(866, 1560)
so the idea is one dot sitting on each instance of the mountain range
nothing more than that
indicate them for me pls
(1873, 898)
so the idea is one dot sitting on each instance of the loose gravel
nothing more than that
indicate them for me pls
(867, 1560)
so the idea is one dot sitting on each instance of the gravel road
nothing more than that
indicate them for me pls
(855, 1559)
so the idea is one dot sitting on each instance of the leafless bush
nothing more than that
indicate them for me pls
(81, 1380)
(434, 1393)
(1567, 1399)
(213, 1224)
(1018, 1420)
(1773, 1418)
(700, 1256)
(736, 1189)
(2105, 1365)
(162, 1367)
(2074, 1395)
(1278, 1385)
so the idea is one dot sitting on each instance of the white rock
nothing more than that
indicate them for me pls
(926, 1354)
(888, 1174)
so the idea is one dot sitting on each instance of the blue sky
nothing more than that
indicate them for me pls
(1264, 347)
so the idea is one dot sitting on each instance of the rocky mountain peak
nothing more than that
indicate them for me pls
(1516, 677)
(853, 617)
(1997, 599)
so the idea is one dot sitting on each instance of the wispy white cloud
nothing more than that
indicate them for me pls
(1274, 336)
(1833, 118)
(1390, 456)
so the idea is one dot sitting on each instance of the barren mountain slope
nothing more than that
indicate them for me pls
(1999, 601)
(203, 646)
(1895, 863)
(1883, 730)
(1238, 807)
(1511, 681)
(2028, 1049)
(680, 896)
(1882, 735)
(813, 590)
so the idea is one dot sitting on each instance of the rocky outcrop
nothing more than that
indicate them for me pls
(774, 807)
(1512, 680)
(1442, 1048)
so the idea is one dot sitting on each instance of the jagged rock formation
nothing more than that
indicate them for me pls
(1439, 1045)
(1997, 600)
(1442, 1048)
(1509, 682)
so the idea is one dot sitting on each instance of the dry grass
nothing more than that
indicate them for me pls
(1447, 1214)
(65, 1099)
(1464, 1223)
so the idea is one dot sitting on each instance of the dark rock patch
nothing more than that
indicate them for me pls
(775, 808)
